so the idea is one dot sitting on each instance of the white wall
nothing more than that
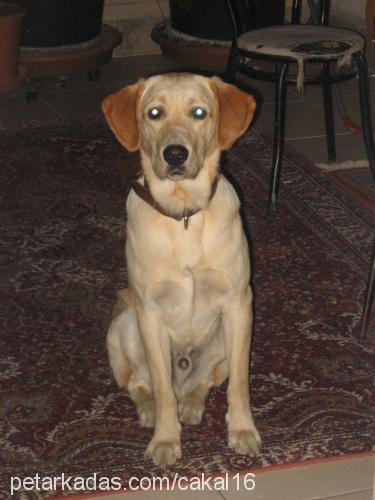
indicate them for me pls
(135, 19)
(348, 12)
(348, 8)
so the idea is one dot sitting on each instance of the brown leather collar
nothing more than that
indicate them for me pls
(144, 192)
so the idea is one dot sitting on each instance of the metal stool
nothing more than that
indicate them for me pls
(300, 44)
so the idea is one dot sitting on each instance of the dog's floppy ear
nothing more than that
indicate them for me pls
(236, 110)
(120, 111)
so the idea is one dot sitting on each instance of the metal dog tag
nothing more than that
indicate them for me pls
(186, 218)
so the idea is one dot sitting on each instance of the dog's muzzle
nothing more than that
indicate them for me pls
(175, 156)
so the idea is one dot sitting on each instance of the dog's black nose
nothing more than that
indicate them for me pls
(175, 154)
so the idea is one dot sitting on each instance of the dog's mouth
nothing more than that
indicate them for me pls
(176, 173)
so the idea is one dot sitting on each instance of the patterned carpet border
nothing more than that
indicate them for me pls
(359, 183)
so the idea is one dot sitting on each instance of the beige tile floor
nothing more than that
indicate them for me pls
(350, 479)
(304, 115)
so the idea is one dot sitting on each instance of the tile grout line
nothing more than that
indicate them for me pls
(222, 495)
(163, 14)
(316, 136)
(339, 496)
(50, 107)
(70, 90)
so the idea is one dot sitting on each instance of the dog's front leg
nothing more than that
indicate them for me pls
(243, 436)
(164, 447)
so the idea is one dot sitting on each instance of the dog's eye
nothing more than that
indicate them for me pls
(155, 113)
(198, 113)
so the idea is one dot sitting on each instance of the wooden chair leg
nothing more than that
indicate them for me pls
(279, 135)
(328, 115)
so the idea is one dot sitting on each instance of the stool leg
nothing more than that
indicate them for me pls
(369, 295)
(279, 134)
(364, 99)
(230, 72)
(328, 115)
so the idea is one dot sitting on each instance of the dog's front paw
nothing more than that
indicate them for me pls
(164, 452)
(246, 442)
(190, 410)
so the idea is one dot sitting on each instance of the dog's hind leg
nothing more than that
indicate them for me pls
(127, 358)
(191, 406)
(141, 394)
(121, 367)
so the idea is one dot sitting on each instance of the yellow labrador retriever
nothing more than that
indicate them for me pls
(184, 324)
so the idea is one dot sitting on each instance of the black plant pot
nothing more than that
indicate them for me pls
(209, 19)
(55, 23)
(206, 19)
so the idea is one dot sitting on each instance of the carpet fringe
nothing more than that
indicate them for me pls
(344, 165)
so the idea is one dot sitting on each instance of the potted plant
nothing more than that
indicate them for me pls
(55, 23)
(11, 76)
(195, 40)
(64, 37)
(199, 32)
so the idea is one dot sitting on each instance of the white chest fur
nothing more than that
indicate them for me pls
(187, 274)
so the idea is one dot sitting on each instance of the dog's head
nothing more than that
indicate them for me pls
(178, 121)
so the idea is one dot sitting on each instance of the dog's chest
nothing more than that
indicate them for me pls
(188, 257)
(191, 306)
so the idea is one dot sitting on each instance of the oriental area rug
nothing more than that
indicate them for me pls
(62, 230)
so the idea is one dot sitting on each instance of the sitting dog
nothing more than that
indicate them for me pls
(184, 324)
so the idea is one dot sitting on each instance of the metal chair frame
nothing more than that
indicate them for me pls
(238, 61)
(369, 297)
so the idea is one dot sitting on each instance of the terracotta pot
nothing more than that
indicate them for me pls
(10, 26)
(41, 63)
(197, 55)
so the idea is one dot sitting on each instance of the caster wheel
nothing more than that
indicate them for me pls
(94, 75)
(34, 85)
(32, 96)
(62, 83)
